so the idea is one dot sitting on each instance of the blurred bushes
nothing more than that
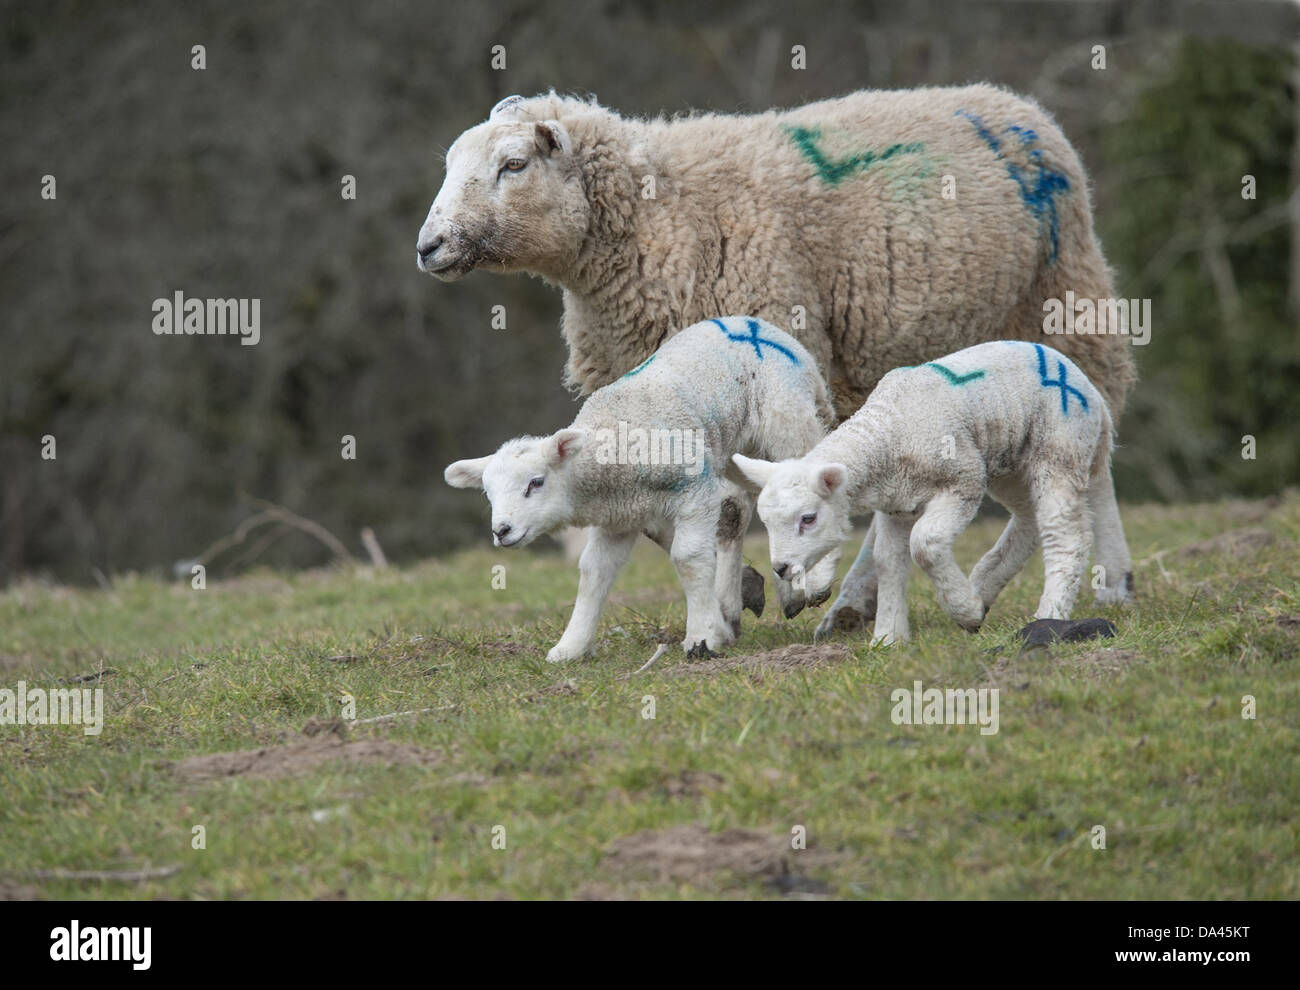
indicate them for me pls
(226, 183)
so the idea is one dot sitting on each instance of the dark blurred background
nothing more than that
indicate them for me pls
(226, 183)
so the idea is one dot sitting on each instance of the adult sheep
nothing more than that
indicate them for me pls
(880, 229)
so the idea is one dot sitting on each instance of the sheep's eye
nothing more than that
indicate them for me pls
(514, 164)
(807, 519)
(533, 485)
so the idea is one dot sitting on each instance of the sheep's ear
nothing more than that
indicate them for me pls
(506, 108)
(466, 474)
(551, 136)
(755, 471)
(827, 478)
(561, 447)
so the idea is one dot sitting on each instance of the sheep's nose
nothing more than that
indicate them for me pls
(780, 570)
(502, 531)
(427, 249)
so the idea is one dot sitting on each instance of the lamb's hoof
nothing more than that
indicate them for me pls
(700, 651)
(752, 595)
(847, 620)
(1042, 633)
(971, 627)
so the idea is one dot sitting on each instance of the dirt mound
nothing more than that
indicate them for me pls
(800, 655)
(692, 853)
(1016, 672)
(1234, 543)
(285, 761)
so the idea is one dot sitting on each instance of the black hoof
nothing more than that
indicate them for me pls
(700, 651)
(1044, 632)
(752, 595)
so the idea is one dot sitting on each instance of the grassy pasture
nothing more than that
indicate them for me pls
(1142, 734)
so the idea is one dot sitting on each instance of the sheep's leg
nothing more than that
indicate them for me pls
(1061, 509)
(733, 521)
(856, 603)
(695, 556)
(893, 565)
(945, 517)
(1014, 547)
(602, 559)
(1111, 548)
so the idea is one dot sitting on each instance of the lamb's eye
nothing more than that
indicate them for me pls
(807, 519)
(533, 485)
(514, 164)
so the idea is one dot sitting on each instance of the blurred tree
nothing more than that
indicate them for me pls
(1224, 358)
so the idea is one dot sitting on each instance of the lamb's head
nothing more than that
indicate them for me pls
(513, 198)
(528, 483)
(805, 509)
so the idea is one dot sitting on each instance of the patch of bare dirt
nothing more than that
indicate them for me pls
(693, 854)
(1016, 672)
(284, 761)
(562, 688)
(18, 892)
(1233, 543)
(795, 657)
(693, 783)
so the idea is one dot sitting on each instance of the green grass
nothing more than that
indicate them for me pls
(1142, 734)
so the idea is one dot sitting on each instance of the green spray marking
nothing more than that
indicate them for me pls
(640, 367)
(954, 378)
(833, 171)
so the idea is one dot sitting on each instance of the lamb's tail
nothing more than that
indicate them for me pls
(825, 405)
(1109, 545)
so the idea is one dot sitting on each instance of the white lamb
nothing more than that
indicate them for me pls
(1018, 420)
(648, 454)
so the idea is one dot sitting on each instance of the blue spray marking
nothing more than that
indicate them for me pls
(691, 479)
(758, 342)
(1038, 183)
(1059, 382)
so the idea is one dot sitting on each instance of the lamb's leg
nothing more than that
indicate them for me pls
(855, 605)
(733, 521)
(893, 564)
(1014, 547)
(945, 518)
(600, 563)
(1061, 510)
(695, 556)
(1111, 548)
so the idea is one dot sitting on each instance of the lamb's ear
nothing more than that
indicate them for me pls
(466, 474)
(756, 472)
(827, 478)
(561, 447)
(506, 108)
(551, 136)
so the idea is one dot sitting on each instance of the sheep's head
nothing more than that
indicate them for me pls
(512, 200)
(527, 482)
(806, 511)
